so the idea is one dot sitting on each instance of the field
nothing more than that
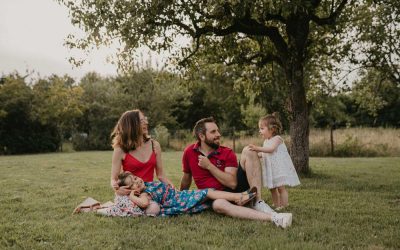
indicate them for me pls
(345, 203)
(348, 142)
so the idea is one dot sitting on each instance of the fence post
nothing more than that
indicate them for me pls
(233, 140)
(332, 144)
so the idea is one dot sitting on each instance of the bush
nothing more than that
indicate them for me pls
(180, 139)
(162, 135)
(83, 141)
(32, 138)
(352, 147)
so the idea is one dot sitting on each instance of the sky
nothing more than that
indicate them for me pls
(32, 33)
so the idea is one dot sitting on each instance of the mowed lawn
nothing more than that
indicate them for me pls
(344, 203)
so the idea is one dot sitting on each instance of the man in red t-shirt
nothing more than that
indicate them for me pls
(215, 166)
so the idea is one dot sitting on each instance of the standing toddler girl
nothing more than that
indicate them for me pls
(278, 170)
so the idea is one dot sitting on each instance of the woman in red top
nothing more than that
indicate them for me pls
(134, 151)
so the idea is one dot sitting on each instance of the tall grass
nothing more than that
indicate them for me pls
(356, 142)
(348, 142)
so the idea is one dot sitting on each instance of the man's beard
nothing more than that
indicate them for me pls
(211, 143)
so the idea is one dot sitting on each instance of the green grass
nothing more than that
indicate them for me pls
(344, 203)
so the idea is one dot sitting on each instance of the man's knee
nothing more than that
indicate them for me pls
(220, 206)
(249, 154)
(246, 150)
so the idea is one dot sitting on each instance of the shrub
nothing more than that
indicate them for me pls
(162, 135)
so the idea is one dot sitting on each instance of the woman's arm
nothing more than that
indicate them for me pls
(275, 141)
(159, 166)
(143, 200)
(117, 157)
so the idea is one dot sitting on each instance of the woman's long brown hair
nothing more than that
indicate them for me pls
(127, 133)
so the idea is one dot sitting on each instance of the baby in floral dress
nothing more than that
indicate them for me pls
(174, 202)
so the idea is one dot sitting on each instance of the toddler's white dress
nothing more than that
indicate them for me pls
(278, 169)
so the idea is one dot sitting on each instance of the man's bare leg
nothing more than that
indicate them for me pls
(225, 207)
(251, 164)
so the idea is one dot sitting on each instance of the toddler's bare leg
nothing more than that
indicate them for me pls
(215, 194)
(283, 196)
(275, 197)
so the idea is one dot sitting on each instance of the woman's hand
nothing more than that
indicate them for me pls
(114, 184)
(123, 190)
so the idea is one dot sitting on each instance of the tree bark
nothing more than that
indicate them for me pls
(299, 126)
(298, 30)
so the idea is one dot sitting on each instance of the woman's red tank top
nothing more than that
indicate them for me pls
(144, 170)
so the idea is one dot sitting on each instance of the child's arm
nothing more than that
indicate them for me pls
(268, 149)
(143, 200)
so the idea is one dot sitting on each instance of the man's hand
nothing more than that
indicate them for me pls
(204, 162)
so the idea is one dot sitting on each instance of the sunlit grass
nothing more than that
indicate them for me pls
(344, 203)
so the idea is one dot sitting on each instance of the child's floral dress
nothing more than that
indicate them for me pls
(174, 202)
(124, 207)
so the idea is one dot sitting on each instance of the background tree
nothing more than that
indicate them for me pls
(105, 99)
(375, 39)
(20, 131)
(254, 32)
(56, 102)
(377, 96)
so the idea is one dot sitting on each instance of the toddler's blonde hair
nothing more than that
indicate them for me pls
(273, 123)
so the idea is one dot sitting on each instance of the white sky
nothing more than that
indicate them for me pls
(32, 33)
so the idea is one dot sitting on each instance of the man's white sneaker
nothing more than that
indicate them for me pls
(262, 207)
(283, 220)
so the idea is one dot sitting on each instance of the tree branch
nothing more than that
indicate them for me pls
(249, 27)
(331, 18)
(264, 59)
(274, 17)
(186, 59)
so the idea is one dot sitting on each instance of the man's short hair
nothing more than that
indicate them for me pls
(200, 127)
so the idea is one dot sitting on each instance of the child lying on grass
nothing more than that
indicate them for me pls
(174, 202)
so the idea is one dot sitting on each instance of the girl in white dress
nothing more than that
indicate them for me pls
(278, 170)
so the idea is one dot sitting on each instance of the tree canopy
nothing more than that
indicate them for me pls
(303, 39)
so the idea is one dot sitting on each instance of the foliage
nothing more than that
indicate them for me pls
(252, 114)
(330, 112)
(21, 131)
(56, 102)
(213, 92)
(36, 209)
(100, 113)
(299, 37)
(162, 135)
(375, 38)
(379, 96)
(105, 99)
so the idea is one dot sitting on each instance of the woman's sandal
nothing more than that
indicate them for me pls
(251, 193)
(87, 205)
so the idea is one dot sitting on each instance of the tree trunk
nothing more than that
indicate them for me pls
(298, 30)
(299, 127)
